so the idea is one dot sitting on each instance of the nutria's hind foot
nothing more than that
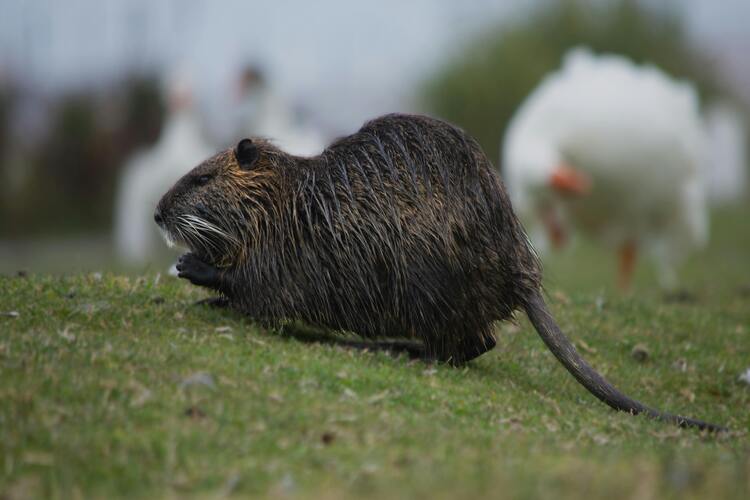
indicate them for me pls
(415, 350)
(197, 272)
(321, 335)
(217, 302)
(680, 296)
(418, 351)
(469, 348)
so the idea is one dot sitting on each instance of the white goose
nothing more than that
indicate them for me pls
(264, 113)
(150, 173)
(727, 142)
(615, 150)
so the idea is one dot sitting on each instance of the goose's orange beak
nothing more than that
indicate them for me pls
(569, 181)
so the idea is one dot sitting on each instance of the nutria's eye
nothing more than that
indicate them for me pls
(246, 154)
(202, 179)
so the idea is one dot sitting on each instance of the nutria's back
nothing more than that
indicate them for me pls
(412, 231)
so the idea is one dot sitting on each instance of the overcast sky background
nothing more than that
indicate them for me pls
(349, 60)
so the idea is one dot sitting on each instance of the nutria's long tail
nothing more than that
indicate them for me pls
(567, 354)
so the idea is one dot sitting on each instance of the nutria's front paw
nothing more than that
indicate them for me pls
(197, 272)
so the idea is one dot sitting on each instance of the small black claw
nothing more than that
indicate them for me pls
(197, 272)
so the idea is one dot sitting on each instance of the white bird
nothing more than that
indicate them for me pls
(615, 150)
(727, 142)
(149, 174)
(261, 112)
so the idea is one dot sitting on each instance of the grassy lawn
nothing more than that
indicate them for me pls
(120, 386)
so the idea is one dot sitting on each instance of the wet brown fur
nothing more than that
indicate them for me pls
(400, 230)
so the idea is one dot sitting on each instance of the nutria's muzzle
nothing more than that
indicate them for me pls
(158, 218)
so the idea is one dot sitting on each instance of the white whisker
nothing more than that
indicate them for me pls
(198, 224)
(167, 238)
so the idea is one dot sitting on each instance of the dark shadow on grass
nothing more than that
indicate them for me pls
(396, 348)
(310, 334)
(316, 335)
(681, 296)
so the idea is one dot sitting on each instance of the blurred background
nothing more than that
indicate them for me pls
(103, 102)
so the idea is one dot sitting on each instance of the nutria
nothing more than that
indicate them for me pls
(401, 230)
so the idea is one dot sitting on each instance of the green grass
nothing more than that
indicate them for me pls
(96, 399)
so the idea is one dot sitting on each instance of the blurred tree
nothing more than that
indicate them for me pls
(143, 112)
(73, 169)
(482, 87)
(6, 103)
(66, 171)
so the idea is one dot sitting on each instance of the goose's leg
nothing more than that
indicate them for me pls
(555, 231)
(627, 255)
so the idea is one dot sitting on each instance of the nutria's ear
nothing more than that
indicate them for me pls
(246, 154)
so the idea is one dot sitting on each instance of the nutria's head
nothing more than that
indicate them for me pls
(219, 207)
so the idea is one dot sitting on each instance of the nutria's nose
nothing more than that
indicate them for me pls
(157, 217)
